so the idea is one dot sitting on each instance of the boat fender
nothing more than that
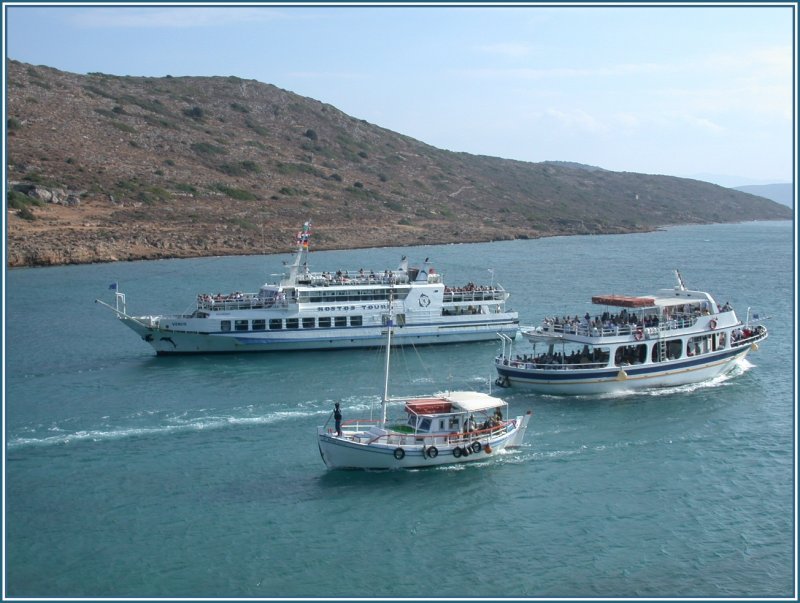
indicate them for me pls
(754, 346)
(638, 335)
(487, 449)
(457, 452)
(622, 375)
(433, 452)
(712, 324)
(399, 453)
(476, 446)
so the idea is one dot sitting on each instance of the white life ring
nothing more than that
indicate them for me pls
(638, 335)
(712, 324)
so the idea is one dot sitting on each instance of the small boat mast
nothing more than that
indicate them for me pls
(389, 325)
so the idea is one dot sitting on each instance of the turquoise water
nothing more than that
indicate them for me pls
(129, 475)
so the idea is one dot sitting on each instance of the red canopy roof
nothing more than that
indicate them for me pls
(624, 301)
(429, 407)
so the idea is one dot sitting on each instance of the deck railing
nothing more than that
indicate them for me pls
(549, 366)
(244, 301)
(495, 294)
(586, 330)
(359, 431)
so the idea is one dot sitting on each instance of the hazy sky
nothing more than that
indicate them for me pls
(679, 90)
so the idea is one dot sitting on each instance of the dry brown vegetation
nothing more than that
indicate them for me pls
(191, 166)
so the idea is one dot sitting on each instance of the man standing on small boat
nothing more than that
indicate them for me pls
(337, 416)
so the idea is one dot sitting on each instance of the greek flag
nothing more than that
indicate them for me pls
(113, 286)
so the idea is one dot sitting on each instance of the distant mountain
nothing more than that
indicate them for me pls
(727, 180)
(105, 167)
(780, 193)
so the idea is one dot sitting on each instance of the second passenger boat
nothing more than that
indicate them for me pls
(675, 337)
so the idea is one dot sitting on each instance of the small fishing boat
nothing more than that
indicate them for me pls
(449, 428)
(676, 337)
(328, 310)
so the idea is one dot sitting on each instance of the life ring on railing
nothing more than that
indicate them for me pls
(457, 452)
(638, 335)
(712, 324)
(433, 452)
(399, 453)
(476, 447)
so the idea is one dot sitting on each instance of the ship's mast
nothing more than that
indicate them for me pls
(302, 246)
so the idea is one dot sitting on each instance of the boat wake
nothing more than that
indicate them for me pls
(740, 367)
(147, 424)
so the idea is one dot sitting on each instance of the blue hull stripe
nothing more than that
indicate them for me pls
(632, 371)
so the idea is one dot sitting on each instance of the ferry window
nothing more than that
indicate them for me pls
(292, 323)
(425, 425)
(225, 325)
(324, 322)
(667, 350)
(275, 323)
(241, 325)
(259, 324)
(630, 354)
(699, 345)
(308, 323)
(355, 321)
(340, 321)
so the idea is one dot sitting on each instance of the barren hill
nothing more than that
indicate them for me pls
(105, 168)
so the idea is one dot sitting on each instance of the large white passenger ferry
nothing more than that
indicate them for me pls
(675, 337)
(327, 310)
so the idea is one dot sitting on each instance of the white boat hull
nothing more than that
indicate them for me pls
(615, 380)
(168, 341)
(349, 453)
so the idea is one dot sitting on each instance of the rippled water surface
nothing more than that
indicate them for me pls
(131, 475)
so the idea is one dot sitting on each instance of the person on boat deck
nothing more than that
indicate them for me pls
(337, 416)
(469, 425)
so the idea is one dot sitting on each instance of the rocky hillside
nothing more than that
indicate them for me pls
(105, 168)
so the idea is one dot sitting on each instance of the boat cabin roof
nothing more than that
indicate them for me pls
(454, 402)
(664, 298)
(624, 301)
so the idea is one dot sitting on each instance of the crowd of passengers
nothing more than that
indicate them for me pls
(613, 322)
(343, 276)
(742, 334)
(468, 288)
(219, 298)
(606, 322)
(575, 358)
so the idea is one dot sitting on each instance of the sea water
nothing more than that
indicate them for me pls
(131, 475)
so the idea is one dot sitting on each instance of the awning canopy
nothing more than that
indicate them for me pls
(624, 301)
(473, 401)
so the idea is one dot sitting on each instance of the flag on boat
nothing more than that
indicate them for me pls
(304, 235)
(113, 286)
